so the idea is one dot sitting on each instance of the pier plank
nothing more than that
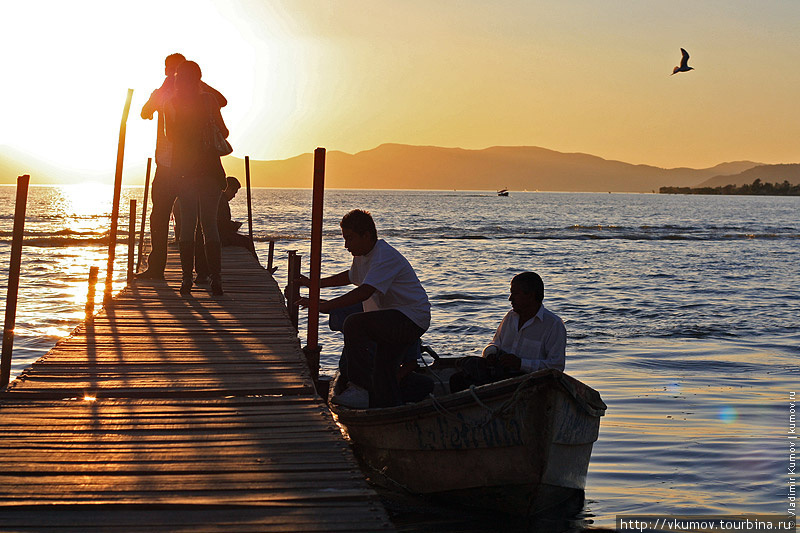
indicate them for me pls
(173, 413)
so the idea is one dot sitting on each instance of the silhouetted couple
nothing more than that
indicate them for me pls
(188, 168)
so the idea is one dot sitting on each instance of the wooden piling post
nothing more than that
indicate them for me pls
(13, 279)
(289, 291)
(131, 239)
(93, 271)
(270, 257)
(249, 197)
(112, 237)
(293, 288)
(312, 349)
(144, 214)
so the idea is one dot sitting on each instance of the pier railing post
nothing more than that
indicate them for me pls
(312, 349)
(249, 198)
(112, 237)
(93, 271)
(13, 279)
(271, 257)
(293, 288)
(144, 214)
(131, 239)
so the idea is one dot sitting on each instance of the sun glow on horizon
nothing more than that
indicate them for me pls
(353, 75)
(73, 79)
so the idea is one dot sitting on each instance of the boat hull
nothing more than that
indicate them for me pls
(520, 445)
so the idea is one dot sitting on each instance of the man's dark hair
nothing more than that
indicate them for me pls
(531, 283)
(359, 221)
(189, 70)
(173, 60)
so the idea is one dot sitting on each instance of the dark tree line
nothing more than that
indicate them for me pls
(755, 188)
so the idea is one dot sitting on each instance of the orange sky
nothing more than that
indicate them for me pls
(573, 76)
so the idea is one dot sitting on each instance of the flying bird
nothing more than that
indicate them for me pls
(684, 66)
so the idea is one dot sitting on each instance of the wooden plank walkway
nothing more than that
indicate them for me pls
(172, 413)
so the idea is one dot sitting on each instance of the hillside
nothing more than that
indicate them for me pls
(14, 163)
(395, 166)
(766, 173)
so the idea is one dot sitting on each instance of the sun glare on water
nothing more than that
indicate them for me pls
(87, 199)
(69, 229)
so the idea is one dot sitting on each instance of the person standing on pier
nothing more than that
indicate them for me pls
(396, 314)
(228, 232)
(197, 168)
(165, 183)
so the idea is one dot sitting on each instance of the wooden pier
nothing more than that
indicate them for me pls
(173, 413)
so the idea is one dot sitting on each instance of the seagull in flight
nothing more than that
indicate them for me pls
(684, 66)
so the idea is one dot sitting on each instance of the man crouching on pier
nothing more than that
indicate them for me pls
(396, 314)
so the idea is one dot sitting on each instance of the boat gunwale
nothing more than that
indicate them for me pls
(466, 398)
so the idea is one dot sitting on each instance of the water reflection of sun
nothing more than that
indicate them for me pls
(81, 215)
(87, 199)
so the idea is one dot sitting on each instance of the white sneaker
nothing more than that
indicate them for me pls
(353, 397)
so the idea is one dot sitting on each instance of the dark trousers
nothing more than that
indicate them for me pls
(164, 193)
(375, 343)
(200, 260)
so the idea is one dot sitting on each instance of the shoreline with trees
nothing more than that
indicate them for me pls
(757, 188)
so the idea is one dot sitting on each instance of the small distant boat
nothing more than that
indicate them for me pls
(520, 446)
(502, 192)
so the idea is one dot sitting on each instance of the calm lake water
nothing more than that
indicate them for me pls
(682, 311)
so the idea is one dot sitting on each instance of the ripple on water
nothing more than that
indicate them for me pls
(687, 326)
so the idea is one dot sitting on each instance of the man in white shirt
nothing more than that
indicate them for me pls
(530, 337)
(396, 314)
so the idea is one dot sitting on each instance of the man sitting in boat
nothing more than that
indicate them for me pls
(530, 337)
(396, 314)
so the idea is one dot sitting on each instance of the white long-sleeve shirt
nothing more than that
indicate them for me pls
(540, 343)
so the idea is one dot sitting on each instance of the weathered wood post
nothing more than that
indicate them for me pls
(93, 271)
(112, 237)
(293, 288)
(13, 279)
(271, 257)
(131, 239)
(144, 214)
(312, 348)
(249, 198)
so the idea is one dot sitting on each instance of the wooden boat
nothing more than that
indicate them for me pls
(502, 192)
(521, 445)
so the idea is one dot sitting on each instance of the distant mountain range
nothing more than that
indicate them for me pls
(15, 163)
(398, 166)
(766, 173)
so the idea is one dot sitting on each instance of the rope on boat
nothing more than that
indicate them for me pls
(444, 411)
(479, 402)
(503, 411)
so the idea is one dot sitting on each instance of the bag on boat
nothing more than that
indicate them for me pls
(474, 370)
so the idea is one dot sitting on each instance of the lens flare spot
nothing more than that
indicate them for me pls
(728, 414)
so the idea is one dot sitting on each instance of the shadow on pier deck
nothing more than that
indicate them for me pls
(171, 413)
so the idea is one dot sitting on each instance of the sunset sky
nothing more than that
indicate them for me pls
(569, 75)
